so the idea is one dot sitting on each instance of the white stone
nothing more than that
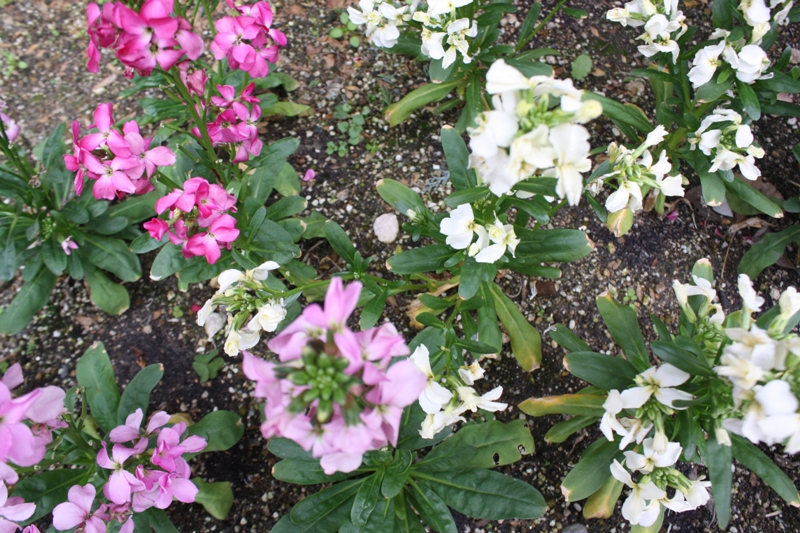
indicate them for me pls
(386, 227)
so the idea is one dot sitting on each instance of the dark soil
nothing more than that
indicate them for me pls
(159, 326)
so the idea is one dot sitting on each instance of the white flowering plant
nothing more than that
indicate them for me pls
(725, 382)
(707, 95)
(459, 38)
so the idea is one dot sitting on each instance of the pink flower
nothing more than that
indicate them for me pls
(68, 245)
(10, 127)
(111, 180)
(102, 32)
(248, 41)
(121, 483)
(161, 488)
(309, 175)
(17, 442)
(13, 377)
(170, 448)
(156, 227)
(131, 429)
(13, 510)
(78, 511)
(221, 231)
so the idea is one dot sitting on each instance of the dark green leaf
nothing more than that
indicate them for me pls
(495, 444)
(397, 474)
(530, 21)
(114, 256)
(30, 299)
(432, 508)
(137, 394)
(48, 489)
(718, 460)
(402, 198)
(564, 430)
(221, 429)
(604, 371)
(304, 472)
(217, 498)
(315, 507)
(755, 460)
(566, 339)
(482, 493)
(682, 359)
(768, 250)
(111, 297)
(756, 198)
(340, 242)
(455, 152)
(366, 498)
(565, 404)
(623, 324)
(418, 260)
(96, 375)
(591, 472)
(432, 92)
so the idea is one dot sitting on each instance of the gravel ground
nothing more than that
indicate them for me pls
(159, 327)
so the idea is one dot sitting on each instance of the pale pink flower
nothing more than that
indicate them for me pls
(13, 510)
(68, 245)
(78, 511)
(121, 483)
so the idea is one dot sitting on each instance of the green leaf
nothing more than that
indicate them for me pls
(366, 498)
(287, 184)
(112, 255)
(135, 208)
(488, 328)
(655, 75)
(56, 176)
(566, 339)
(137, 394)
(604, 371)
(581, 66)
(305, 472)
(472, 275)
(168, 261)
(766, 251)
(526, 343)
(418, 260)
(601, 504)
(314, 508)
(28, 301)
(217, 498)
(749, 99)
(221, 429)
(682, 359)
(315, 225)
(553, 245)
(397, 474)
(402, 198)
(623, 324)
(565, 404)
(718, 460)
(482, 493)
(53, 256)
(145, 243)
(712, 90)
(96, 375)
(757, 199)
(623, 113)
(287, 449)
(439, 74)
(373, 310)
(564, 430)
(111, 297)
(48, 489)
(381, 520)
(466, 196)
(529, 23)
(340, 242)
(457, 156)
(591, 472)
(496, 444)
(431, 508)
(286, 108)
(429, 93)
(755, 460)
(154, 520)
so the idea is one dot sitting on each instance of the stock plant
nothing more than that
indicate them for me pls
(84, 455)
(723, 384)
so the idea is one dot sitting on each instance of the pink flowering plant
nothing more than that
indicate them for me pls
(341, 405)
(105, 467)
(725, 382)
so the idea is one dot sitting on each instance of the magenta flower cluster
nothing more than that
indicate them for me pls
(153, 36)
(198, 219)
(10, 127)
(247, 39)
(333, 390)
(120, 161)
(140, 478)
(236, 122)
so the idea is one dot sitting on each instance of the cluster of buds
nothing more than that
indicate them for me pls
(533, 130)
(723, 136)
(236, 124)
(445, 400)
(333, 390)
(442, 26)
(249, 306)
(382, 21)
(152, 37)
(493, 239)
(762, 365)
(26, 426)
(748, 61)
(636, 172)
(120, 161)
(198, 219)
(142, 477)
(247, 38)
(661, 21)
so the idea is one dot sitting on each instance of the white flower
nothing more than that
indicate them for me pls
(571, 146)
(671, 185)
(695, 496)
(381, 23)
(652, 458)
(268, 317)
(502, 78)
(751, 300)
(609, 423)
(459, 227)
(434, 396)
(472, 401)
(623, 16)
(655, 136)
(432, 43)
(472, 373)
(457, 32)
(727, 159)
(752, 63)
(204, 312)
(494, 129)
(503, 237)
(481, 244)
(635, 431)
(705, 63)
(755, 11)
(789, 302)
(435, 422)
(229, 278)
(628, 195)
(443, 7)
(495, 172)
(531, 152)
(636, 508)
(659, 382)
(213, 323)
(651, 47)
(240, 340)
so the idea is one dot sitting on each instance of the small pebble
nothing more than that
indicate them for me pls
(575, 528)
(386, 227)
